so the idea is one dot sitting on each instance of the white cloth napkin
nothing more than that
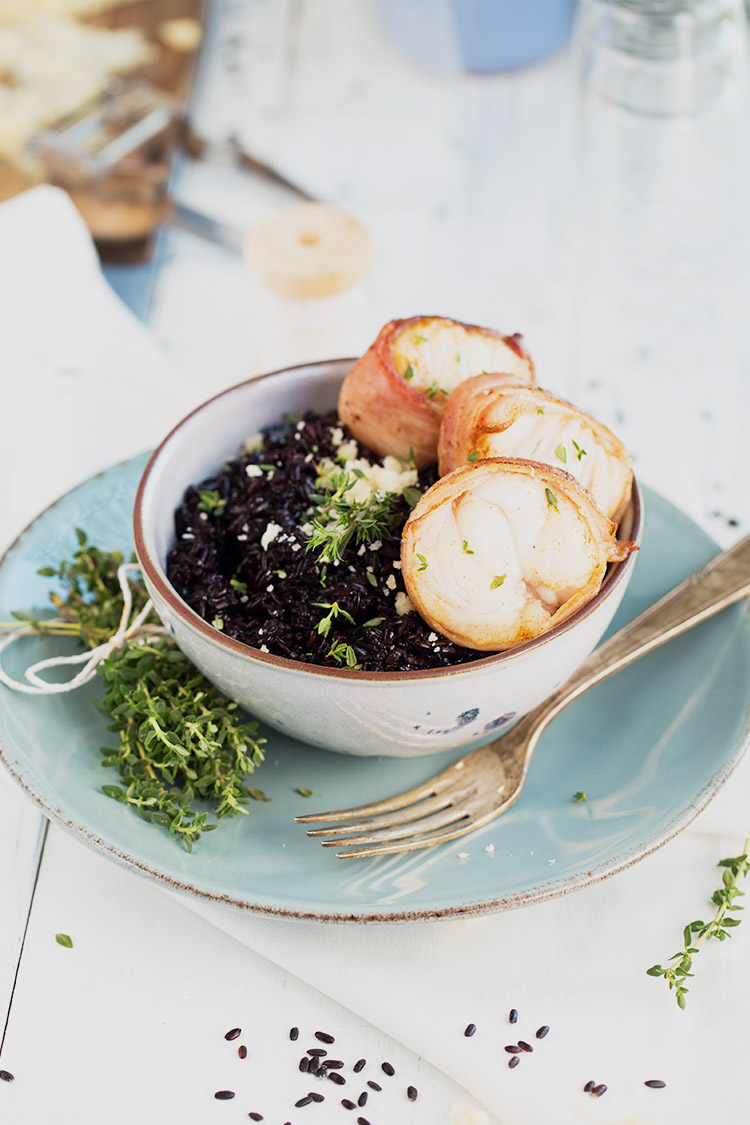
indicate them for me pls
(84, 385)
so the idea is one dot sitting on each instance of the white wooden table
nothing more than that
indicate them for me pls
(463, 183)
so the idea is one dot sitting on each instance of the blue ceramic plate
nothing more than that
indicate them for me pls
(650, 747)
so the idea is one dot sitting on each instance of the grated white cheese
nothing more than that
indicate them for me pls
(337, 436)
(404, 603)
(264, 648)
(397, 566)
(254, 470)
(272, 530)
(390, 582)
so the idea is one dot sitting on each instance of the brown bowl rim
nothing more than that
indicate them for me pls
(615, 575)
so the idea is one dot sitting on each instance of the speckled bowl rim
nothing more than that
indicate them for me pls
(616, 572)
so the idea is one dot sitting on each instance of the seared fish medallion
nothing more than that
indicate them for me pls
(392, 400)
(497, 416)
(502, 550)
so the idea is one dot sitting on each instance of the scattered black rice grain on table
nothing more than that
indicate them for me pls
(513, 1049)
(304, 1063)
(411, 1093)
(224, 1095)
(655, 1084)
(6, 1076)
(293, 1033)
(324, 1037)
(387, 1069)
(333, 1064)
(255, 1116)
(317, 1052)
(234, 1033)
(362, 1099)
(513, 1016)
(542, 1032)
(303, 1101)
(599, 1090)
(337, 1078)
(360, 1064)
(362, 1121)
(514, 1061)
(525, 1046)
(374, 1085)
(471, 1028)
(589, 1087)
(316, 1097)
(242, 1051)
(347, 1104)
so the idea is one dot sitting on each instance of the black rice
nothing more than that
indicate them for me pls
(317, 1097)
(362, 1099)
(324, 1037)
(412, 1093)
(512, 1049)
(470, 1030)
(599, 1090)
(242, 1051)
(339, 1079)
(255, 1116)
(374, 1085)
(347, 1104)
(387, 1069)
(513, 1016)
(264, 597)
(655, 1084)
(514, 1061)
(542, 1032)
(234, 1033)
(293, 1033)
(360, 1064)
(589, 1087)
(224, 1095)
(316, 1052)
(525, 1046)
(304, 1064)
(303, 1101)
(6, 1076)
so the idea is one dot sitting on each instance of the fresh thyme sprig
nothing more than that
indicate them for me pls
(340, 517)
(180, 739)
(719, 927)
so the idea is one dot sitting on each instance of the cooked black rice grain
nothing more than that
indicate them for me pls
(242, 1051)
(303, 1101)
(6, 1076)
(362, 1121)
(304, 1064)
(412, 1093)
(599, 1090)
(324, 1037)
(234, 1033)
(347, 1104)
(514, 1061)
(374, 1085)
(337, 1078)
(224, 1095)
(362, 1099)
(513, 1016)
(255, 1116)
(525, 1046)
(387, 1069)
(512, 1049)
(264, 597)
(470, 1029)
(542, 1032)
(317, 1052)
(293, 1033)
(333, 1064)
(360, 1064)
(655, 1084)
(317, 1097)
(589, 1087)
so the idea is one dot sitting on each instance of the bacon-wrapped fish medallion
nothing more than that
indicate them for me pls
(392, 400)
(496, 416)
(500, 551)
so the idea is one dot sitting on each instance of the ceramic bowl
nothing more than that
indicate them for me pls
(402, 714)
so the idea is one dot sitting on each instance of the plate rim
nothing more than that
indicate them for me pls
(540, 893)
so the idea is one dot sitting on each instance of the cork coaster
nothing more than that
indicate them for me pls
(308, 250)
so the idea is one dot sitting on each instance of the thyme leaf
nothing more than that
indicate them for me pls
(696, 933)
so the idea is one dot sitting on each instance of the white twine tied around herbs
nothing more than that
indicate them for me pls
(91, 659)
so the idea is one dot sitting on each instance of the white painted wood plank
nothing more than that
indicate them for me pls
(134, 1016)
(21, 836)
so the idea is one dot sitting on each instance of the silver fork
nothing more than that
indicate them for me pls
(487, 781)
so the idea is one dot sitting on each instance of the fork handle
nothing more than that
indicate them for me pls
(722, 582)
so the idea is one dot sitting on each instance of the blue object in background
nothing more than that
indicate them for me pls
(479, 36)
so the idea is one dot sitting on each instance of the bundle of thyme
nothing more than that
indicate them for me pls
(180, 740)
(719, 927)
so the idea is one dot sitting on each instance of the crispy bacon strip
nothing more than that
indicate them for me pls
(392, 400)
(500, 551)
(494, 415)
